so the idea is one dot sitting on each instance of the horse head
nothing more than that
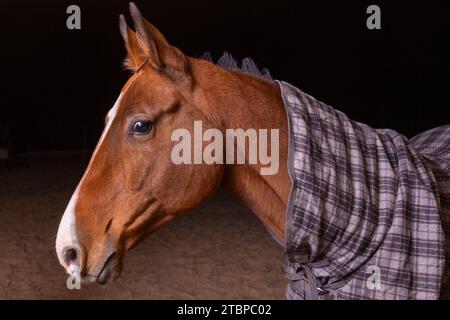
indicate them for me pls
(124, 193)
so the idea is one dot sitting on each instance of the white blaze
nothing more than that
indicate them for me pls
(66, 236)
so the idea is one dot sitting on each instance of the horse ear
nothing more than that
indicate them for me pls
(135, 55)
(160, 54)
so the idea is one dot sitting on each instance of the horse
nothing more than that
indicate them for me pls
(132, 187)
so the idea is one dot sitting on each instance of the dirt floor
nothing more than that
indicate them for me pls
(219, 251)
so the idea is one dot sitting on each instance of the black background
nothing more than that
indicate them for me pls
(127, 309)
(168, 309)
(59, 83)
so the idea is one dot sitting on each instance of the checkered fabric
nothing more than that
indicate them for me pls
(369, 210)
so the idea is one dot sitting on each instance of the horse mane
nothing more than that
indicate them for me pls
(247, 65)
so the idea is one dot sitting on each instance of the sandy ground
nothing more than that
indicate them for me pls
(219, 251)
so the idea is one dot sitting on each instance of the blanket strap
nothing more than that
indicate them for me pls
(310, 287)
(311, 290)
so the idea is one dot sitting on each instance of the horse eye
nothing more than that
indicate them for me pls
(141, 127)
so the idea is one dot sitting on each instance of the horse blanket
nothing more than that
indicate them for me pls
(369, 210)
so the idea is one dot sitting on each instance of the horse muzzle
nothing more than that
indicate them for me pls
(73, 260)
(102, 273)
(110, 269)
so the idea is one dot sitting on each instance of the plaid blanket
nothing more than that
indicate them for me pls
(369, 210)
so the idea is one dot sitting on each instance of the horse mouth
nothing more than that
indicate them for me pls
(108, 269)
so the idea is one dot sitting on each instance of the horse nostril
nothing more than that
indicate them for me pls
(70, 255)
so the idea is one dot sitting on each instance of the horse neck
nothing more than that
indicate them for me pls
(236, 100)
